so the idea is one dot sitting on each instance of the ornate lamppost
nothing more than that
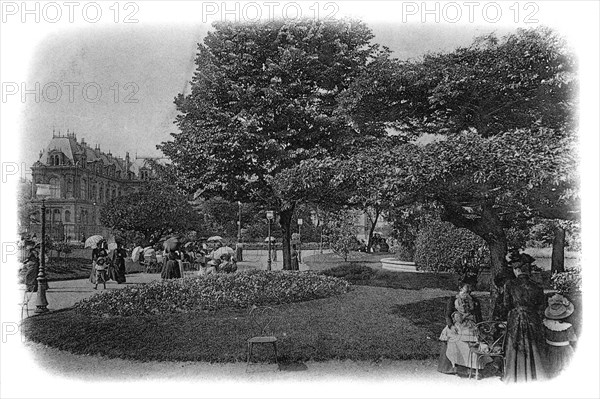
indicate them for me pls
(270, 216)
(299, 241)
(41, 304)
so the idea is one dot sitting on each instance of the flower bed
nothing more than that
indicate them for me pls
(237, 290)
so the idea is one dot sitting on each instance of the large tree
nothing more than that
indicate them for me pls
(153, 212)
(265, 97)
(502, 111)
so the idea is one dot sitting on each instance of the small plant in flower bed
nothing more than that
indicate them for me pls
(352, 272)
(213, 292)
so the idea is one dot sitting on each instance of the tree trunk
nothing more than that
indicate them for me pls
(285, 221)
(371, 230)
(558, 250)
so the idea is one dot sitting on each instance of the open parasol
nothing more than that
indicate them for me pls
(269, 239)
(171, 244)
(135, 254)
(215, 238)
(93, 241)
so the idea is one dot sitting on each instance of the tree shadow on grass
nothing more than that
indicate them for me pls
(428, 314)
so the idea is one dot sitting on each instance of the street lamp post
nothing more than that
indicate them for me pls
(41, 304)
(238, 246)
(270, 216)
(299, 241)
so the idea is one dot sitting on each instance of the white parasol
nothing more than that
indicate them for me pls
(92, 242)
(135, 254)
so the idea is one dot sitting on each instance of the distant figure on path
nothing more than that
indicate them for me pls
(525, 344)
(295, 263)
(119, 255)
(171, 269)
(99, 264)
(32, 263)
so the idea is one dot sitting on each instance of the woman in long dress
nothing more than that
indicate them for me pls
(295, 258)
(463, 312)
(171, 268)
(525, 345)
(119, 255)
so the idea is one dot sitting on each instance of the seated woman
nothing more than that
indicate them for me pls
(227, 265)
(463, 312)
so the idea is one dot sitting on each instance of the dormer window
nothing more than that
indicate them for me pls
(55, 159)
(144, 174)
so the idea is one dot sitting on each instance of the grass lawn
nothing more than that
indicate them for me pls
(367, 323)
(320, 262)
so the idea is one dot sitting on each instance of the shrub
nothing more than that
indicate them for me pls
(440, 246)
(351, 273)
(567, 283)
(402, 252)
(213, 292)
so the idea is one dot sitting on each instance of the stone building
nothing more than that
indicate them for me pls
(82, 179)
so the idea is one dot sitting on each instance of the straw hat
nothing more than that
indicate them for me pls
(558, 308)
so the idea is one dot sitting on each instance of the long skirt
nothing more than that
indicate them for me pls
(117, 272)
(524, 347)
(558, 359)
(170, 270)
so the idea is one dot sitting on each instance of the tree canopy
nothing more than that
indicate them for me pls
(264, 97)
(154, 211)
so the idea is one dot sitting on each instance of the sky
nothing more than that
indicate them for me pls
(140, 69)
(149, 53)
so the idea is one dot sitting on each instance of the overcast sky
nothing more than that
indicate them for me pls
(152, 64)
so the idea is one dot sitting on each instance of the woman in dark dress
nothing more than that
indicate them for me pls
(525, 345)
(171, 268)
(32, 264)
(119, 255)
(295, 258)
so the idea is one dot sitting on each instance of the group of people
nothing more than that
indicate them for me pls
(106, 266)
(539, 337)
(219, 260)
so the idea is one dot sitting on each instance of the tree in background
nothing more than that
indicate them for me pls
(154, 211)
(264, 98)
(502, 114)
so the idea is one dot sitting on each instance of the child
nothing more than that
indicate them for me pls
(559, 334)
(101, 266)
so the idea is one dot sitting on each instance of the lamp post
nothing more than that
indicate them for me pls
(299, 241)
(239, 221)
(270, 216)
(41, 304)
(238, 246)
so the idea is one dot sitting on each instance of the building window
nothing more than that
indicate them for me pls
(83, 189)
(56, 216)
(69, 188)
(68, 216)
(54, 188)
(144, 174)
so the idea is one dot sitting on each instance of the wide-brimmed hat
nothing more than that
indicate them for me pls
(559, 307)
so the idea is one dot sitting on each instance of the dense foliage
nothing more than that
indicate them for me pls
(442, 247)
(152, 212)
(263, 98)
(213, 292)
(567, 283)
